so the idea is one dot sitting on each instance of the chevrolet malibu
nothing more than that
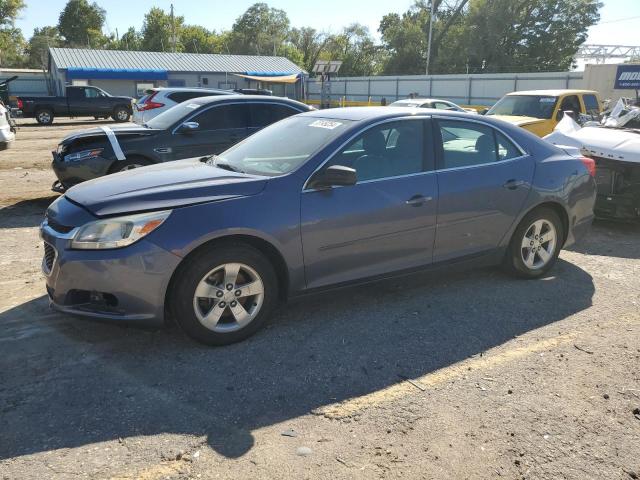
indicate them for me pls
(317, 200)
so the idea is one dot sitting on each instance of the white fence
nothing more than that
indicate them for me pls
(474, 89)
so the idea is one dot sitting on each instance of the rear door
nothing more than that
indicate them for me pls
(483, 179)
(220, 127)
(384, 223)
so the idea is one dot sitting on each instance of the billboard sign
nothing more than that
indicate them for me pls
(628, 77)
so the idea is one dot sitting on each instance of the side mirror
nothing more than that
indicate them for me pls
(188, 127)
(333, 176)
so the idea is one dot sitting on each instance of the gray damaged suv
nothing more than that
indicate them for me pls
(317, 200)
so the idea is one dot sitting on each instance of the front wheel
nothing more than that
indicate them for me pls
(44, 116)
(129, 164)
(535, 244)
(121, 114)
(224, 294)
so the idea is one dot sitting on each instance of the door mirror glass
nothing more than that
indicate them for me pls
(333, 176)
(188, 127)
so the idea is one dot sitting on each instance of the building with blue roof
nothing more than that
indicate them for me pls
(129, 73)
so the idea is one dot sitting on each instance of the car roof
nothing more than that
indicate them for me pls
(417, 100)
(236, 97)
(371, 113)
(552, 93)
(188, 89)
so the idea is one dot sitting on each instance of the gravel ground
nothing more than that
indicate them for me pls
(435, 376)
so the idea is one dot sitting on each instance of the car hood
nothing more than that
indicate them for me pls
(165, 185)
(518, 120)
(123, 130)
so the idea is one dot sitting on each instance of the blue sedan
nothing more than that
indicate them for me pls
(320, 199)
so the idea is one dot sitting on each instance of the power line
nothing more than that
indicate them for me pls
(619, 20)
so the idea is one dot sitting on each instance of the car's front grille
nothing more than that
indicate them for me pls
(49, 258)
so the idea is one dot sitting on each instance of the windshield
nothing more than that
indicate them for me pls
(283, 146)
(537, 106)
(173, 115)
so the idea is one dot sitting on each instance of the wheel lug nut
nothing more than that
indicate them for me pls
(219, 294)
(229, 286)
(222, 304)
(238, 293)
(233, 304)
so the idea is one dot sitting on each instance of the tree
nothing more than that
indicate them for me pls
(405, 39)
(80, 23)
(9, 10)
(11, 40)
(39, 44)
(130, 40)
(355, 47)
(260, 30)
(197, 39)
(157, 31)
(310, 44)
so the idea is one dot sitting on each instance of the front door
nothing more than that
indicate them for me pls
(483, 181)
(384, 223)
(219, 127)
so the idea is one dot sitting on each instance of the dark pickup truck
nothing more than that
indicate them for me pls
(80, 101)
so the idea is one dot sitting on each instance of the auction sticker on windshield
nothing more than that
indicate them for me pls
(325, 124)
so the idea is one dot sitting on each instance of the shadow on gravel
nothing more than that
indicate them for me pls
(71, 382)
(611, 239)
(25, 213)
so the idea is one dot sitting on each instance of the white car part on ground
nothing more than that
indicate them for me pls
(6, 132)
(603, 142)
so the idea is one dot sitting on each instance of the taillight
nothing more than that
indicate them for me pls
(590, 163)
(149, 104)
(19, 104)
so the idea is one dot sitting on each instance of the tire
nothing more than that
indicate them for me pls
(129, 164)
(121, 114)
(201, 301)
(528, 257)
(44, 116)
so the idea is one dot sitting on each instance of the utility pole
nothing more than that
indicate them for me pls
(173, 31)
(431, 15)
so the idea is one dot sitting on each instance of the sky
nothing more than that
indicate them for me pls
(619, 24)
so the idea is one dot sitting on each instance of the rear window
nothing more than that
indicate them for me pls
(173, 115)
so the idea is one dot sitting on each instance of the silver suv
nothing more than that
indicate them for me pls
(158, 100)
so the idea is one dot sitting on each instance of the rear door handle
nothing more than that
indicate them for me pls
(418, 200)
(513, 184)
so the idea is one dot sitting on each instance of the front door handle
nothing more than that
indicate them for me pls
(418, 200)
(513, 184)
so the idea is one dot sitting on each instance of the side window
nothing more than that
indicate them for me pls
(441, 106)
(388, 150)
(75, 93)
(91, 93)
(591, 104)
(223, 117)
(506, 149)
(465, 144)
(571, 103)
(263, 114)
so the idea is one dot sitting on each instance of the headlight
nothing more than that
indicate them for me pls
(118, 232)
(83, 155)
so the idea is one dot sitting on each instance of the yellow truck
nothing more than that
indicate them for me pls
(539, 111)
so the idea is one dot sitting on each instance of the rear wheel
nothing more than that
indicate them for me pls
(44, 116)
(224, 294)
(121, 114)
(536, 244)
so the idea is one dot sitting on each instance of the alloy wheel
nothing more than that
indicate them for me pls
(44, 117)
(538, 244)
(228, 298)
(122, 115)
